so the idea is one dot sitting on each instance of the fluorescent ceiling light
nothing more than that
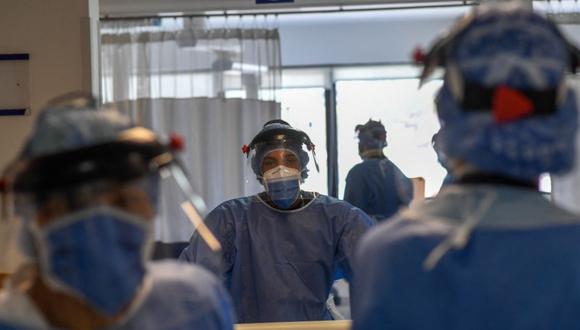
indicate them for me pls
(249, 67)
(171, 14)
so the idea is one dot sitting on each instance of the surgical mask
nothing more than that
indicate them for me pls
(97, 255)
(282, 185)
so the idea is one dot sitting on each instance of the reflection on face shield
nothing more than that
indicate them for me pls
(137, 197)
(282, 156)
(282, 185)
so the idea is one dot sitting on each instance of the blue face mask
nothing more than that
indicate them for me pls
(282, 185)
(97, 255)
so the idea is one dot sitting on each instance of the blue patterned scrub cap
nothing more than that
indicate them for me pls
(73, 121)
(504, 106)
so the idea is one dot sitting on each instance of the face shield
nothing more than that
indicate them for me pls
(282, 168)
(268, 155)
(88, 216)
(279, 160)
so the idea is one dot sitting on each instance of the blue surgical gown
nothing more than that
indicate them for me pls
(378, 187)
(179, 297)
(519, 269)
(280, 265)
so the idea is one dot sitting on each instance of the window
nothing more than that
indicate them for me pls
(409, 118)
(304, 108)
(389, 93)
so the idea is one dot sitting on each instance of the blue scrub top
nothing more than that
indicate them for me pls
(280, 265)
(183, 297)
(378, 187)
(519, 269)
(177, 297)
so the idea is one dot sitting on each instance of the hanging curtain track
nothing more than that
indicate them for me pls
(276, 12)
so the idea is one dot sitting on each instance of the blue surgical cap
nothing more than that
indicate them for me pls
(64, 127)
(371, 135)
(508, 45)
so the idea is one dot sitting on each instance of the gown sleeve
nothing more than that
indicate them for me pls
(222, 225)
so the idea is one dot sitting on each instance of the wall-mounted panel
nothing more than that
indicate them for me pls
(14, 86)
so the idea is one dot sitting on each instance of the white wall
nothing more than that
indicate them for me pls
(363, 37)
(367, 37)
(55, 34)
(572, 32)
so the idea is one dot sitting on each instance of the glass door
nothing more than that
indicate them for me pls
(409, 118)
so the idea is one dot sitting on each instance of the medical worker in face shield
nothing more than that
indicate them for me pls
(376, 185)
(85, 186)
(489, 252)
(283, 247)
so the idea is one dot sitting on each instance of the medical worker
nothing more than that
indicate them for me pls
(282, 248)
(377, 185)
(489, 252)
(86, 186)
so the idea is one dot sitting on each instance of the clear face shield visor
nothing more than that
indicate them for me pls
(140, 196)
(96, 225)
(264, 156)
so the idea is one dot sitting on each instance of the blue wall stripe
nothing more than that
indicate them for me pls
(14, 57)
(12, 112)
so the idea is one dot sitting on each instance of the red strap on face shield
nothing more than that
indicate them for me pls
(509, 105)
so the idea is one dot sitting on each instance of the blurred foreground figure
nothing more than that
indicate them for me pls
(85, 187)
(377, 185)
(489, 252)
(282, 248)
